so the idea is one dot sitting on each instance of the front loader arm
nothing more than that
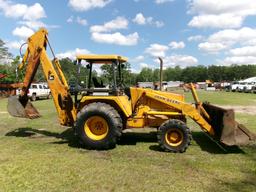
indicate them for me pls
(218, 122)
(185, 108)
(36, 54)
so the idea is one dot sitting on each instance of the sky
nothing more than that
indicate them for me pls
(182, 32)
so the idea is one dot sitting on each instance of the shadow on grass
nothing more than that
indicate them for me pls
(206, 144)
(66, 136)
(132, 138)
(128, 138)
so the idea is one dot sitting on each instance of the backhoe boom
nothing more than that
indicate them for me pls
(36, 54)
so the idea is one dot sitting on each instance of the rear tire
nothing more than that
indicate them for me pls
(174, 136)
(98, 126)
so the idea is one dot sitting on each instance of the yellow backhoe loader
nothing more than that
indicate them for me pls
(103, 112)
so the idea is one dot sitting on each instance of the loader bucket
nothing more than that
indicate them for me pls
(18, 107)
(227, 130)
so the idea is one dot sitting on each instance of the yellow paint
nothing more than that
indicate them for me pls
(135, 122)
(139, 118)
(151, 112)
(96, 128)
(163, 113)
(181, 106)
(101, 58)
(122, 101)
(174, 137)
(198, 103)
(138, 95)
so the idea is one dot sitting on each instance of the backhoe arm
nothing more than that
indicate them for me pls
(36, 54)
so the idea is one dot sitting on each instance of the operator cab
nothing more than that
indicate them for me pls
(95, 85)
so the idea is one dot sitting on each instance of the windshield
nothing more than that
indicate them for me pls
(106, 75)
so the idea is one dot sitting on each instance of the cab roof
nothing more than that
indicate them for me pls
(102, 58)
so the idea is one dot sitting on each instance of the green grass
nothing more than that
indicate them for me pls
(41, 155)
(224, 98)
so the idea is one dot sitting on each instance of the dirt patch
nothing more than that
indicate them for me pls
(251, 110)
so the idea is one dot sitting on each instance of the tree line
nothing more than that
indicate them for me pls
(189, 74)
(200, 73)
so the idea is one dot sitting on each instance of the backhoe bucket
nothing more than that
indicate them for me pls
(227, 130)
(21, 108)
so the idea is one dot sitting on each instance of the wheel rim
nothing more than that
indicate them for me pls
(174, 137)
(96, 128)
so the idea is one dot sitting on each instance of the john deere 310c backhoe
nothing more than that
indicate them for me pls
(101, 114)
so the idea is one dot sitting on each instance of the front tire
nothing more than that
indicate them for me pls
(174, 136)
(98, 126)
